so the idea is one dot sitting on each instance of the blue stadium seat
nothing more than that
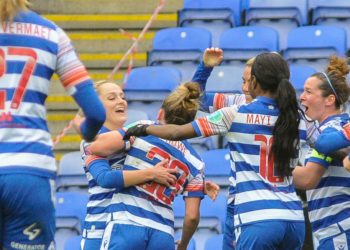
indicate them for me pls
(334, 13)
(146, 88)
(136, 115)
(70, 214)
(217, 166)
(214, 242)
(281, 15)
(298, 76)
(242, 43)
(216, 16)
(71, 175)
(312, 45)
(180, 47)
(73, 243)
(202, 144)
(225, 79)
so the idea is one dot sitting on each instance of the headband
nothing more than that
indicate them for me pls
(330, 84)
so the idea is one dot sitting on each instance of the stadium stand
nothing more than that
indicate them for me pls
(73, 243)
(180, 47)
(214, 242)
(146, 88)
(216, 16)
(313, 45)
(71, 175)
(217, 166)
(225, 79)
(136, 115)
(70, 213)
(242, 43)
(334, 13)
(298, 75)
(281, 15)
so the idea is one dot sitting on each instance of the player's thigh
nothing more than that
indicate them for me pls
(28, 211)
(159, 240)
(123, 237)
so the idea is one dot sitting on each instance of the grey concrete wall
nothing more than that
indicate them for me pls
(103, 6)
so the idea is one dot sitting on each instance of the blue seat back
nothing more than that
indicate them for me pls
(214, 242)
(70, 215)
(334, 13)
(215, 16)
(298, 76)
(146, 88)
(136, 115)
(281, 15)
(217, 166)
(70, 172)
(277, 9)
(182, 39)
(217, 162)
(233, 5)
(243, 43)
(315, 43)
(178, 45)
(151, 83)
(71, 209)
(73, 243)
(225, 79)
(314, 4)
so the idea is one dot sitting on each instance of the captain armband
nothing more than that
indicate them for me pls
(320, 156)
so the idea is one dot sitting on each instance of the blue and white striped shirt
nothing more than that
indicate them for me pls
(259, 194)
(329, 202)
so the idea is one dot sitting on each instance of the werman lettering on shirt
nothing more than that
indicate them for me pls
(258, 119)
(28, 29)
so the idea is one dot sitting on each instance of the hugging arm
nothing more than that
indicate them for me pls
(118, 179)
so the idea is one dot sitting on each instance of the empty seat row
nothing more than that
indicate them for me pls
(285, 15)
(183, 47)
(146, 87)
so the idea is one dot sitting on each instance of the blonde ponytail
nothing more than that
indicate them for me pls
(10, 8)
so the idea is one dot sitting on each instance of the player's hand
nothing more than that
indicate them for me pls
(213, 57)
(137, 130)
(180, 246)
(164, 175)
(211, 189)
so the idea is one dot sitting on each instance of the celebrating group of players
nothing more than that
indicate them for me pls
(276, 142)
